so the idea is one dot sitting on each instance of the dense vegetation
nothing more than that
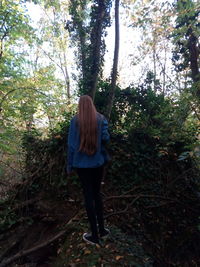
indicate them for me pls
(151, 185)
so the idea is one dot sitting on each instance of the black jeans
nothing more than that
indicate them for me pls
(91, 182)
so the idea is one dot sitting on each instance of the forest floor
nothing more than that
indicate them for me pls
(46, 230)
(50, 234)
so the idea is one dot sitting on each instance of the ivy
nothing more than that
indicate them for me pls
(88, 30)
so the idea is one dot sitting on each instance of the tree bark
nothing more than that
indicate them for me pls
(66, 74)
(164, 69)
(115, 63)
(90, 40)
(96, 35)
(194, 54)
(154, 61)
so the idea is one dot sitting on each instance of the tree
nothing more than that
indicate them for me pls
(30, 93)
(55, 38)
(13, 24)
(154, 23)
(87, 30)
(186, 40)
(115, 62)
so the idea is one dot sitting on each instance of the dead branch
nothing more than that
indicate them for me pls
(160, 205)
(124, 210)
(33, 249)
(141, 195)
(148, 196)
(131, 190)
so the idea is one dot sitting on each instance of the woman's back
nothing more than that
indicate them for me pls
(78, 158)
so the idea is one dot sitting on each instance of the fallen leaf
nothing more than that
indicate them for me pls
(87, 251)
(81, 245)
(59, 251)
(119, 257)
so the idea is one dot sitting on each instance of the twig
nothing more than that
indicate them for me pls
(7, 165)
(131, 190)
(123, 211)
(150, 196)
(140, 195)
(160, 205)
(179, 177)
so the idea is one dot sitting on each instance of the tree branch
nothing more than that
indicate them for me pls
(123, 211)
(15, 89)
(23, 253)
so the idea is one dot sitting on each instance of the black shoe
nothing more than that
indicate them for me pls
(89, 239)
(105, 233)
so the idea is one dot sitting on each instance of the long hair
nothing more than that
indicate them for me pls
(87, 122)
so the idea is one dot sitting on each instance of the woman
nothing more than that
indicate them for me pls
(86, 153)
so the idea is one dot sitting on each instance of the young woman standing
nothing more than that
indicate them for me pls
(86, 153)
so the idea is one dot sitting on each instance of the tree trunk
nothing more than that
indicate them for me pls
(89, 36)
(164, 69)
(194, 52)
(66, 75)
(82, 48)
(154, 61)
(115, 62)
(96, 35)
(193, 57)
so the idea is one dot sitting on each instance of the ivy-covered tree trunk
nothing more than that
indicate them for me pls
(115, 62)
(87, 32)
(186, 36)
(78, 31)
(95, 40)
(194, 56)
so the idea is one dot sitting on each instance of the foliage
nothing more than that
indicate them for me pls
(30, 93)
(153, 20)
(151, 126)
(186, 52)
(14, 24)
(163, 181)
(186, 24)
(151, 191)
(55, 40)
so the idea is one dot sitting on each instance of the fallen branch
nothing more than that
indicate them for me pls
(132, 189)
(124, 210)
(148, 196)
(33, 249)
(159, 205)
(140, 195)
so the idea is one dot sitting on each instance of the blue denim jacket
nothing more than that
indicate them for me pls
(78, 159)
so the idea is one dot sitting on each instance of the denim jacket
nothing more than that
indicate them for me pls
(78, 159)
